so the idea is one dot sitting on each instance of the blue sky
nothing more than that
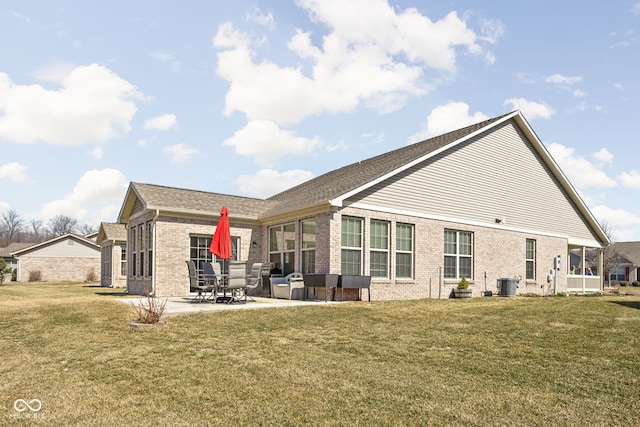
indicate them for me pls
(252, 97)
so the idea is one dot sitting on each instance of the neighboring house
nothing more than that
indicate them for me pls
(65, 258)
(484, 202)
(112, 239)
(6, 253)
(628, 269)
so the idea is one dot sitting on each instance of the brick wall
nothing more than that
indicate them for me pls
(64, 269)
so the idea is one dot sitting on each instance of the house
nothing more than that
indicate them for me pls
(69, 257)
(485, 202)
(627, 267)
(112, 239)
(6, 253)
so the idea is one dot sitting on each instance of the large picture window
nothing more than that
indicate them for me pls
(199, 250)
(458, 254)
(531, 259)
(404, 251)
(308, 247)
(379, 251)
(282, 247)
(351, 246)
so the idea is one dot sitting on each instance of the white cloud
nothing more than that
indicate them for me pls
(93, 105)
(630, 179)
(105, 188)
(180, 153)
(624, 224)
(163, 122)
(581, 172)
(167, 58)
(561, 80)
(579, 93)
(635, 9)
(13, 171)
(532, 110)
(268, 182)
(97, 152)
(492, 30)
(445, 118)
(264, 19)
(265, 141)
(603, 156)
(392, 49)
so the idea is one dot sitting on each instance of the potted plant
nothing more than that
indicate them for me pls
(462, 291)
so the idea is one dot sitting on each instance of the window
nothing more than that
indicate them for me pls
(404, 251)
(123, 260)
(618, 274)
(199, 250)
(458, 256)
(282, 246)
(308, 246)
(133, 265)
(351, 242)
(531, 259)
(379, 251)
(150, 228)
(142, 237)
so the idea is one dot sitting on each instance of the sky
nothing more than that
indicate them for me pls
(252, 97)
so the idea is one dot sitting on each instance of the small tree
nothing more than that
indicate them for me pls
(463, 283)
(5, 271)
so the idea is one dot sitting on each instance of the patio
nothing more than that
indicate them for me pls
(184, 305)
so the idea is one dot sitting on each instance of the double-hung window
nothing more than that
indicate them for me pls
(404, 251)
(530, 259)
(379, 251)
(458, 254)
(308, 247)
(351, 245)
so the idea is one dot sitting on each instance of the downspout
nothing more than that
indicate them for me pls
(153, 249)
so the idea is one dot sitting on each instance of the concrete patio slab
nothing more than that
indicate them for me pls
(183, 305)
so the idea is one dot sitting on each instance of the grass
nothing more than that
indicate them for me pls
(484, 361)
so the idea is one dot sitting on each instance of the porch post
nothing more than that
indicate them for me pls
(601, 267)
(584, 272)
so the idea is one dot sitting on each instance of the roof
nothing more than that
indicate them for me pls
(111, 231)
(72, 236)
(332, 188)
(331, 185)
(8, 251)
(628, 250)
(193, 202)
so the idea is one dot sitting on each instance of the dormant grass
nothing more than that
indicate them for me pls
(484, 361)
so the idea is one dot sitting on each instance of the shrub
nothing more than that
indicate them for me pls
(149, 310)
(463, 283)
(91, 275)
(35, 276)
(623, 283)
(636, 283)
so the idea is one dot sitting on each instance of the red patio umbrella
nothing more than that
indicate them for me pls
(221, 241)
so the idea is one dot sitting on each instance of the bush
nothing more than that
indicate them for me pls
(91, 276)
(463, 284)
(35, 276)
(623, 283)
(149, 310)
(636, 283)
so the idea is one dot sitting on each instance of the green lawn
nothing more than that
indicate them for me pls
(561, 361)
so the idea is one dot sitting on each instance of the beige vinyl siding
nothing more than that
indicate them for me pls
(67, 248)
(494, 175)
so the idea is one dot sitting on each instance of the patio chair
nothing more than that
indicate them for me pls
(210, 277)
(195, 283)
(254, 279)
(237, 280)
